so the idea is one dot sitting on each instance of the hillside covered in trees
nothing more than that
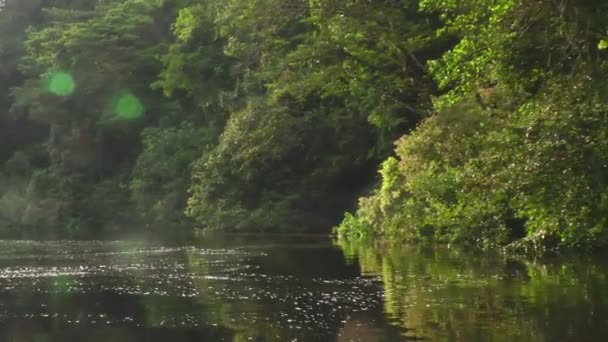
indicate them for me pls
(486, 118)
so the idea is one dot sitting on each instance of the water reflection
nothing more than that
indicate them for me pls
(66, 291)
(275, 289)
(449, 294)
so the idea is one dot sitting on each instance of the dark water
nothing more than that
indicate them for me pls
(293, 289)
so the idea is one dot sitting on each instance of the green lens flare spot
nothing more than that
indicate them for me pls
(60, 83)
(128, 106)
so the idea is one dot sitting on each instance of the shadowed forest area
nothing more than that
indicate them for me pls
(487, 119)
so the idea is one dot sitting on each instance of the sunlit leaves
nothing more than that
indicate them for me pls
(187, 22)
(524, 163)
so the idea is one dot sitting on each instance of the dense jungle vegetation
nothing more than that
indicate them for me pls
(488, 119)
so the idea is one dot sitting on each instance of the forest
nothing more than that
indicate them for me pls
(474, 122)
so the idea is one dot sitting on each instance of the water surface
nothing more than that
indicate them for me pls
(292, 289)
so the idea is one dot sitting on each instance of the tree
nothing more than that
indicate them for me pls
(520, 160)
(88, 74)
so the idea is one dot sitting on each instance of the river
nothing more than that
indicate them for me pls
(238, 288)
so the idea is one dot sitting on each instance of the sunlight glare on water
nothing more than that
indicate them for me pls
(293, 290)
(201, 289)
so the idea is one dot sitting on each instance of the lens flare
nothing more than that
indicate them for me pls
(128, 106)
(60, 83)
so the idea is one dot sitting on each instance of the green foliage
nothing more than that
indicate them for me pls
(519, 44)
(469, 175)
(356, 61)
(271, 115)
(99, 52)
(434, 189)
(267, 172)
(514, 154)
(323, 103)
(196, 63)
(77, 63)
(161, 174)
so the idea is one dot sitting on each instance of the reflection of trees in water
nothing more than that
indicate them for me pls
(186, 289)
(35, 331)
(465, 295)
(255, 307)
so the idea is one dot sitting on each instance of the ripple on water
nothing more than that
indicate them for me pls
(177, 286)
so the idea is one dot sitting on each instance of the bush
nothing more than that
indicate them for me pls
(531, 175)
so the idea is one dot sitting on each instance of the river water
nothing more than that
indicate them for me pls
(237, 288)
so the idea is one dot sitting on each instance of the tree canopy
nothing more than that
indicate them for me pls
(486, 116)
